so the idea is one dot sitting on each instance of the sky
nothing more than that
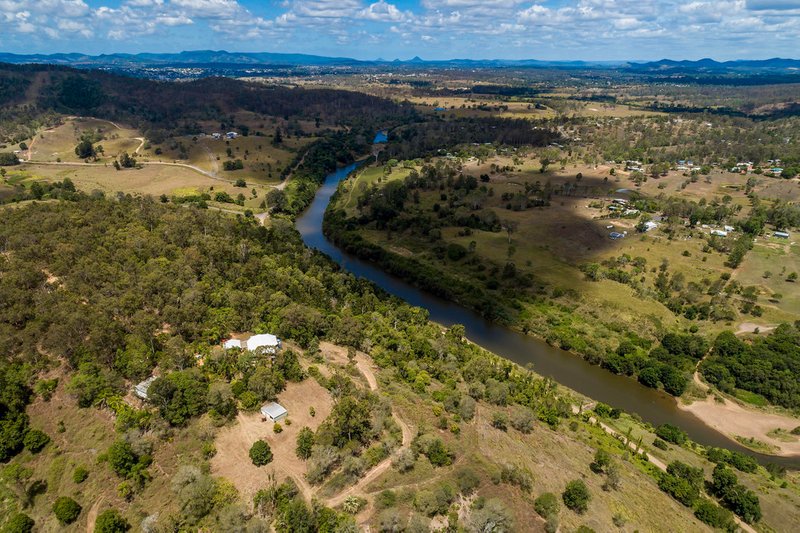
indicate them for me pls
(432, 29)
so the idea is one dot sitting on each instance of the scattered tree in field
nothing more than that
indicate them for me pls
(85, 149)
(19, 523)
(260, 453)
(195, 492)
(494, 517)
(305, 441)
(7, 159)
(601, 461)
(66, 510)
(612, 478)
(36, 440)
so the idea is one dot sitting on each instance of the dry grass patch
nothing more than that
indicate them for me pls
(233, 442)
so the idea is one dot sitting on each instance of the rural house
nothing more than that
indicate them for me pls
(269, 343)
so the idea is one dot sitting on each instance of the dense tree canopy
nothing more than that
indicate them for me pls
(768, 366)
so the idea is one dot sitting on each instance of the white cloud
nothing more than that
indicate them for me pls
(382, 11)
(447, 28)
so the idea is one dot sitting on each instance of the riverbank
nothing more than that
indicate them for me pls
(739, 423)
(650, 405)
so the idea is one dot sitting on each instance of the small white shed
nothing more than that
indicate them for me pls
(232, 343)
(274, 411)
(141, 389)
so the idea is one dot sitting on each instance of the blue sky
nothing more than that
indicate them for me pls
(431, 29)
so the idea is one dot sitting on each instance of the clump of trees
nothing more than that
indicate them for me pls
(735, 496)
(768, 365)
(8, 159)
(125, 160)
(285, 505)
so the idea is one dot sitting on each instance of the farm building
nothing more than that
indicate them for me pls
(141, 389)
(269, 343)
(274, 411)
(719, 233)
(232, 343)
(231, 135)
(616, 235)
(781, 234)
(650, 225)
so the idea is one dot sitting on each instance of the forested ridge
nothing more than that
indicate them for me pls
(114, 289)
(163, 109)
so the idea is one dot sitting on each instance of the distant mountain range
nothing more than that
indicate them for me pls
(742, 66)
(210, 57)
(222, 57)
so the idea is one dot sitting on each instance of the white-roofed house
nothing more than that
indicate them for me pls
(274, 412)
(267, 342)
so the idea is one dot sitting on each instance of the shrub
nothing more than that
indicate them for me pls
(467, 481)
(404, 460)
(80, 474)
(660, 444)
(433, 502)
(19, 523)
(66, 510)
(500, 421)
(35, 440)
(517, 475)
(46, 387)
(385, 499)
(260, 453)
(601, 460)
(576, 496)
(434, 449)
(353, 504)
(546, 505)
(277, 428)
(110, 521)
(209, 450)
(522, 419)
(322, 461)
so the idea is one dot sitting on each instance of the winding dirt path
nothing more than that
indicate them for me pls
(91, 517)
(363, 364)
